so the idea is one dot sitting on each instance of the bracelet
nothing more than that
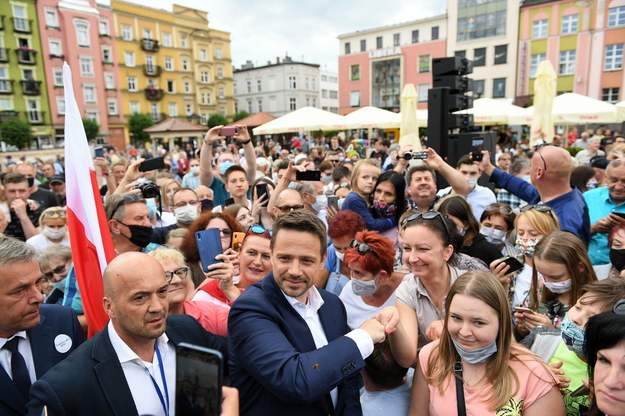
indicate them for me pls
(208, 143)
(245, 142)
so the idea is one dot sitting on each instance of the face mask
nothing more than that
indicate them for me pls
(60, 284)
(559, 287)
(54, 234)
(340, 256)
(340, 202)
(527, 178)
(139, 235)
(321, 202)
(461, 231)
(617, 258)
(326, 178)
(572, 335)
(187, 214)
(527, 245)
(475, 356)
(472, 182)
(493, 236)
(275, 178)
(195, 170)
(383, 209)
(224, 167)
(151, 204)
(363, 288)
(31, 182)
(591, 184)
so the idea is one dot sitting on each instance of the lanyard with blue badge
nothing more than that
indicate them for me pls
(156, 387)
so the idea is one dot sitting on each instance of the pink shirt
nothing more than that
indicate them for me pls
(212, 317)
(535, 381)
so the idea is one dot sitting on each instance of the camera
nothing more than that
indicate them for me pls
(414, 155)
(148, 189)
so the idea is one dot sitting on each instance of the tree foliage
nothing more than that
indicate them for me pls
(136, 123)
(16, 132)
(216, 120)
(240, 115)
(92, 128)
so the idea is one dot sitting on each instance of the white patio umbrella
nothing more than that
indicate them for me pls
(620, 111)
(371, 117)
(489, 111)
(571, 108)
(304, 119)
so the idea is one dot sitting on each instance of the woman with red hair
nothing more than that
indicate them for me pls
(342, 229)
(372, 285)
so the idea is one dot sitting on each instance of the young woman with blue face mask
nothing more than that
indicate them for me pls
(372, 286)
(496, 376)
(497, 223)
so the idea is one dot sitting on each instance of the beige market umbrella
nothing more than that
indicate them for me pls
(620, 111)
(544, 93)
(409, 128)
(304, 119)
(487, 111)
(371, 117)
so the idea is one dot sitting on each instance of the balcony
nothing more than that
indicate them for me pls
(4, 55)
(22, 25)
(6, 86)
(149, 45)
(6, 115)
(35, 116)
(31, 87)
(152, 70)
(153, 94)
(26, 56)
(57, 56)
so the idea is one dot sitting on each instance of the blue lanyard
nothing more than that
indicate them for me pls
(156, 387)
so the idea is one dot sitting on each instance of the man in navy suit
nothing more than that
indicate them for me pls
(33, 337)
(291, 352)
(128, 368)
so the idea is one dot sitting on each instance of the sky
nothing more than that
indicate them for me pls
(261, 30)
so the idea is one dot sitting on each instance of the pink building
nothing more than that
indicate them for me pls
(80, 32)
(375, 64)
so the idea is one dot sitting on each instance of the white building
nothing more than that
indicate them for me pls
(277, 88)
(329, 89)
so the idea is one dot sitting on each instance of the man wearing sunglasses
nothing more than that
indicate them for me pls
(550, 173)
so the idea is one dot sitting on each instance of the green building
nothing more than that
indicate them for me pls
(23, 89)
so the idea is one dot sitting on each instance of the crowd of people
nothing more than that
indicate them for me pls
(348, 282)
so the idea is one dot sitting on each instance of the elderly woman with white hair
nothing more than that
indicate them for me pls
(584, 157)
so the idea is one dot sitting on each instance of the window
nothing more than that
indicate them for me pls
(52, 18)
(613, 57)
(610, 95)
(6, 104)
(107, 54)
(259, 85)
(171, 86)
(363, 45)
(569, 24)
(460, 54)
(203, 55)
(292, 104)
(129, 58)
(126, 32)
(20, 21)
(183, 41)
(111, 105)
(167, 39)
(423, 92)
(348, 48)
(249, 106)
(499, 87)
(104, 27)
(132, 83)
(189, 109)
(355, 73)
(535, 60)
(478, 87)
(82, 33)
(334, 94)
(415, 36)
(185, 65)
(187, 87)
(93, 115)
(218, 53)
(324, 77)
(88, 92)
(424, 63)
(378, 42)
(86, 66)
(135, 107)
(539, 28)
(169, 63)
(57, 73)
(616, 16)
(220, 73)
(292, 82)
(173, 110)
(109, 81)
(260, 104)
(324, 93)
(479, 57)
(396, 39)
(222, 111)
(60, 104)
(147, 33)
(434, 32)
(204, 118)
(567, 63)
(55, 47)
(249, 86)
(501, 54)
(154, 111)
(221, 93)
(204, 77)
(354, 99)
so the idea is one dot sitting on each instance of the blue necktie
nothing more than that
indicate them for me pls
(21, 379)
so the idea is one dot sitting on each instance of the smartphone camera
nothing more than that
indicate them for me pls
(476, 156)
(415, 155)
(229, 131)
(148, 189)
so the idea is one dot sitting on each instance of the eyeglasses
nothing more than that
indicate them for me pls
(537, 207)
(184, 204)
(540, 146)
(225, 231)
(181, 272)
(259, 230)
(333, 160)
(59, 270)
(428, 215)
(288, 208)
(501, 209)
(362, 248)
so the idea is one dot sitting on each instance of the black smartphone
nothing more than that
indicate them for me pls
(477, 145)
(619, 214)
(207, 205)
(262, 189)
(152, 164)
(333, 201)
(99, 151)
(308, 175)
(514, 264)
(199, 378)
(208, 246)
(228, 202)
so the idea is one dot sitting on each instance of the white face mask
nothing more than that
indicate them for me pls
(54, 234)
(493, 236)
(187, 214)
(321, 202)
(340, 256)
(559, 287)
(195, 170)
(472, 182)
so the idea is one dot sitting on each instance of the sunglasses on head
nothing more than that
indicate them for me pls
(428, 215)
(537, 207)
(259, 230)
(502, 210)
(362, 248)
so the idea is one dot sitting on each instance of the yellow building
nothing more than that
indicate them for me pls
(167, 60)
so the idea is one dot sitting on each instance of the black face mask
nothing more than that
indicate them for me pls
(139, 235)
(31, 182)
(617, 258)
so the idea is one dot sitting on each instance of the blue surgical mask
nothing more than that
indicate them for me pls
(527, 178)
(363, 287)
(572, 335)
(60, 284)
(591, 184)
(151, 204)
(224, 167)
(476, 356)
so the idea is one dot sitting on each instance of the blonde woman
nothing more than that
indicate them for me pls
(53, 225)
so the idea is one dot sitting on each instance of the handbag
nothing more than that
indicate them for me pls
(462, 411)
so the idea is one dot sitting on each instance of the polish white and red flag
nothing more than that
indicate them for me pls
(92, 246)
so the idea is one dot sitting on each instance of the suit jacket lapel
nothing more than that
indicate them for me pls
(41, 342)
(11, 396)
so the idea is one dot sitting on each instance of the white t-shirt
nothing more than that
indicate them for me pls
(357, 310)
(39, 242)
(522, 285)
